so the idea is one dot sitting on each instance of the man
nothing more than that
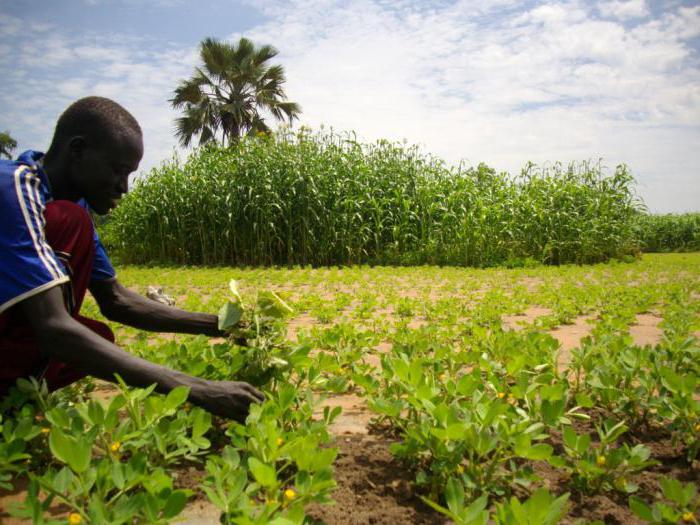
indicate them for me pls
(50, 255)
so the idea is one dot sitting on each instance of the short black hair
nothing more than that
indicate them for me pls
(98, 119)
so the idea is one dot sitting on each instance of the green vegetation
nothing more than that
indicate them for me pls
(324, 199)
(481, 408)
(669, 233)
(231, 93)
(7, 144)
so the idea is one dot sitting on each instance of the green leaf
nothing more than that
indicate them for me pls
(689, 492)
(439, 508)
(176, 397)
(473, 511)
(263, 474)
(175, 503)
(233, 286)
(75, 452)
(96, 412)
(271, 305)
(229, 315)
(201, 423)
(557, 509)
(63, 480)
(456, 431)
(584, 400)
(281, 521)
(672, 489)
(454, 496)
(118, 475)
(640, 508)
(214, 498)
(671, 380)
(537, 452)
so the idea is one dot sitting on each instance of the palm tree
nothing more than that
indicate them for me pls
(7, 144)
(231, 93)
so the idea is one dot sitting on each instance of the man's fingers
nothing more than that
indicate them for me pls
(249, 390)
(257, 394)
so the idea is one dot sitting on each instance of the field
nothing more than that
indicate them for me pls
(323, 199)
(552, 394)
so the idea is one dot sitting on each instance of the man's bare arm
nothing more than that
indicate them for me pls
(67, 340)
(118, 303)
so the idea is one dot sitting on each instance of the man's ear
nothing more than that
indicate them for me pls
(76, 147)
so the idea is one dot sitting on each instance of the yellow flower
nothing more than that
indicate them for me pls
(620, 484)
(45, 430)
(74, 518)
(689, 517)
(501, 395)
(460, 469)
(600, 461)
(115, 446)
(280, 442)
(289, 495)
(442, 378)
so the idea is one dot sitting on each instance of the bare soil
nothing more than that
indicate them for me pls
(373, 487)
(646, 330)
(570, 336)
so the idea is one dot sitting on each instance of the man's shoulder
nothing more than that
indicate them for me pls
(9, 166)
(22, 180)
(29, 160)
(9, 173)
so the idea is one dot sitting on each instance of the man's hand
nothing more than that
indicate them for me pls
(62, 337)
(231, 399)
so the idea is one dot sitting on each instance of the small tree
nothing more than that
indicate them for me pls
(231, 93)
(7, 144)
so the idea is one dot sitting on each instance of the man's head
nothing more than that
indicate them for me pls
(99, 144)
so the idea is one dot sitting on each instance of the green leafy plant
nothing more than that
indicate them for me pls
(541, 508)
(601, 466)
(279, 462)
(680, 504)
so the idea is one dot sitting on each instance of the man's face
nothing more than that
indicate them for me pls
(101, 176)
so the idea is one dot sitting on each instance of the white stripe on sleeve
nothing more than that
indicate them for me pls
(38, 210)
(30, 226)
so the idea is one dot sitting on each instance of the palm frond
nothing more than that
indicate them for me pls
(226, 93)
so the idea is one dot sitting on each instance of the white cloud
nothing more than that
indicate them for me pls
(625, 9)
(477, 80)
(10, 25)
(50, 74)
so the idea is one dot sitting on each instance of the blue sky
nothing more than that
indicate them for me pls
(499, 81)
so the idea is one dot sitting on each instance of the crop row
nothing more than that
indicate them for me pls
(669, 233)
(323, 199)
(475, 410)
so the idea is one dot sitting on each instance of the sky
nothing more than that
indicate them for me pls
(497, 81)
